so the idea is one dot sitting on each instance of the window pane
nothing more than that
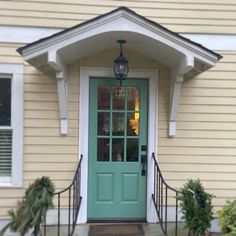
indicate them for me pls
(132, 150)
(133, 99)
(103, 123)
(5, 152)
(103, 97)
(118, 123)
(5, 102)
(118, 149)
(103, 149)
(118, 98)
(133, 124)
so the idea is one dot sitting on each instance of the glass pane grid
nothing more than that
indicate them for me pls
(118, 122)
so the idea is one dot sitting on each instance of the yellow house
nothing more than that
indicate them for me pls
(60, 100)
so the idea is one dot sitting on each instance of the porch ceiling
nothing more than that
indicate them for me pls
(184, 57)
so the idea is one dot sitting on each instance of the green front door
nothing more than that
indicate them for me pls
(117, 148)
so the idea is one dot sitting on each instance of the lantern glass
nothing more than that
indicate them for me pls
(121, 67)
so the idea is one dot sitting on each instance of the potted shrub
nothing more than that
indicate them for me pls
(227, 218)
(196, 207)
(32, 209)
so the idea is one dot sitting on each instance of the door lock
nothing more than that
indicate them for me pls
(144, 163)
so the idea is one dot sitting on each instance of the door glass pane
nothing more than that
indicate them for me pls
(103, 123)
(103, 149)
(103, 97)
(132, 150)
(118, 98)
(117, 149)
(133, 99)
(118, 123)
(5, 102)
(133, 124)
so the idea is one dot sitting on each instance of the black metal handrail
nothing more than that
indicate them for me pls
(160, 199)
(72, 194)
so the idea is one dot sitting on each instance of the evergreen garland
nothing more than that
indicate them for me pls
(196, 207)
(32, 209)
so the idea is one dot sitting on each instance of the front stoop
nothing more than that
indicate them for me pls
(149, 229)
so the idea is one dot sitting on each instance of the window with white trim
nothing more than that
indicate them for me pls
(11, 124)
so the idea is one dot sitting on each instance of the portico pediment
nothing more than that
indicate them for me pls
(184, 57)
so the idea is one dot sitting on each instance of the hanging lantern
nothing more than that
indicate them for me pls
(121, 67)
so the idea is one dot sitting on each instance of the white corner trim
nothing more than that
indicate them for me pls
(16, 73)
(85, 74)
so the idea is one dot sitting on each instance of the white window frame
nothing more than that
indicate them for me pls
(15, 73)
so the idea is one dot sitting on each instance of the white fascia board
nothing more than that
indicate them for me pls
(119, 21)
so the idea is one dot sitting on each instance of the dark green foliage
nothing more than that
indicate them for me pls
(31, 211)
(196, 207)
(227, 218)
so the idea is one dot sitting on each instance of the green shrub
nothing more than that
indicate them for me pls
(32, 209)
(196, 207)
(227, 218)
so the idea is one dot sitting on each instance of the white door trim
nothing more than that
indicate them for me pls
(152, 76)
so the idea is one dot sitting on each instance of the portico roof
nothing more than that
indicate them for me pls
(184, 57)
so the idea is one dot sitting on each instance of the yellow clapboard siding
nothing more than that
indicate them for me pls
(200, 117)
(197, 151)
(187, 142)
(52, 149)
(202, 83)
(59, 157)
(229, 92)
(60, 167)
(8, 59)
(43, 123)
(202, 176)
(53, 175)
(72, 97)
(51, 141)
(208, 184)
(39, 79)
(48, 114)
(200, 159)
(217, 75)
(213, 134)
(7, 192)
(201, 125)
(201, 167)
(201, 109)
(47, 131)
(197, 100)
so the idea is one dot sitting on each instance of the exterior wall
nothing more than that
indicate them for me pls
(45, 151)
(204, 146)
(196, 16)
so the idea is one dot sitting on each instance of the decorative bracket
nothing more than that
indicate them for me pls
(55, 62)
(177, 79)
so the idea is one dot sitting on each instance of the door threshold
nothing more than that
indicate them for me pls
(117, 221)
